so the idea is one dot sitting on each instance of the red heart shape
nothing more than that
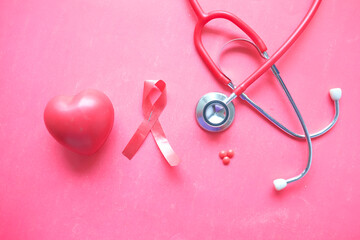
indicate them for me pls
(82, 122)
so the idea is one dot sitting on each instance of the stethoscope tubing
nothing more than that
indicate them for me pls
(204, 18)
(276, 56)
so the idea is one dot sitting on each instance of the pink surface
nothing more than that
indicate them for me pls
(48, 48)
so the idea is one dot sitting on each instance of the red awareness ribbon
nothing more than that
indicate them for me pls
(151, 123)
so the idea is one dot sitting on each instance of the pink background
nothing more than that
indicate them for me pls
(49, 48)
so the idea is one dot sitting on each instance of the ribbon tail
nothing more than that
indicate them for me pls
(137, 140)
(164, 145)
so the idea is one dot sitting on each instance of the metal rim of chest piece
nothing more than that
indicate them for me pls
(212, 114)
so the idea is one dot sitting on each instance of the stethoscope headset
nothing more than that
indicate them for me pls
(215, 111)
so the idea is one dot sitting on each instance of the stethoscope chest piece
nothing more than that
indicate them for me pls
(213, 114)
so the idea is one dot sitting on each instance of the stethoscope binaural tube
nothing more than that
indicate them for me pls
(281, 183)
(335, 94)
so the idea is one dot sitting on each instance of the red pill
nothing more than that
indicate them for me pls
(222, 154)
(230, 153)
(226, 160)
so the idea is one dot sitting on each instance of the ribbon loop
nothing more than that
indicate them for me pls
(151, 112)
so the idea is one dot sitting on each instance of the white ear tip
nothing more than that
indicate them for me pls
(280, 184)
(335, 93)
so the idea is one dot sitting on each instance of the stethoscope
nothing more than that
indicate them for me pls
(215, 111)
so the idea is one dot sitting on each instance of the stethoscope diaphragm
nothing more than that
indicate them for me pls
(213, 114)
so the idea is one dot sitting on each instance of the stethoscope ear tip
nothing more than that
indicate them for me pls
(280, 184)
(335, 94)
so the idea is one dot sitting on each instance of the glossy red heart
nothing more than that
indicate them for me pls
(82, 122)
